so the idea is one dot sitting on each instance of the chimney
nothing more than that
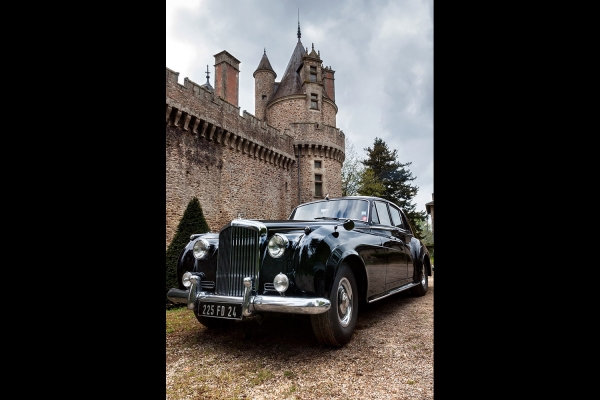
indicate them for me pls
(227, 77)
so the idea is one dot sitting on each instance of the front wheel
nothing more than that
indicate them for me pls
(336, 326)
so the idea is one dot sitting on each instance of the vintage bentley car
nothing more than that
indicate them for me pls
(329, 255)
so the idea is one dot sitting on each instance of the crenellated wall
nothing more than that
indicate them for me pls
(235, 165)
(242, 165)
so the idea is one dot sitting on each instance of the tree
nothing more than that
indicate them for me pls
(396, 179)
(191, 222)
(427, 234)
(351, 171)
(369, 185)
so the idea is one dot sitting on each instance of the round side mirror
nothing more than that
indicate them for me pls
(348, 225)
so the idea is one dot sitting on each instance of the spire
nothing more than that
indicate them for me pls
(207, 85)
(264, 65)
(298, 24)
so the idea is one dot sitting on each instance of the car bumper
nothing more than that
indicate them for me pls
(252, 304)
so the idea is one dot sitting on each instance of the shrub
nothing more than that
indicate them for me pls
(191, 222)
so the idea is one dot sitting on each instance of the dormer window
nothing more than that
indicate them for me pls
(314, 101)
(313, 74)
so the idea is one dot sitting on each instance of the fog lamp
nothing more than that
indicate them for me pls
(186, 279)
(281, 283)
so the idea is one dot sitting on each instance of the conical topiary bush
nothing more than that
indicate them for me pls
(191, 222)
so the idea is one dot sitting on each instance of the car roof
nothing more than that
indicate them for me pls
(346, 198)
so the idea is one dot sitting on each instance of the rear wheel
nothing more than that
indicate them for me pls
(336, 326)
(421, 288)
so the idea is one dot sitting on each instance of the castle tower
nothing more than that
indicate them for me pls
(264, 84)
(303, 106)
(227, 77)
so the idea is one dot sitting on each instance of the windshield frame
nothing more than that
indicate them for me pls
(337, 209)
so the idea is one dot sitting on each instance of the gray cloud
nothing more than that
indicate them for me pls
(382, 53)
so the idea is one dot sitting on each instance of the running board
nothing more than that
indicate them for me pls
(393, 291)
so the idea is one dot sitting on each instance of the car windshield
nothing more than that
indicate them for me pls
(341, 209)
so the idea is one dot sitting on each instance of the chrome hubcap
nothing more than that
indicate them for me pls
(344, 300)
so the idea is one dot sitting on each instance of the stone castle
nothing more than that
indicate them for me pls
(252, 166)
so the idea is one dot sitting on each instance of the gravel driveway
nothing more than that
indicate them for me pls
(277, 357)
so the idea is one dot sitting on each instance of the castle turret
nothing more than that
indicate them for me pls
(302, 105)
(227, 77)
(264, 84)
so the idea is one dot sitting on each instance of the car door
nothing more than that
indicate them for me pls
(396, 263)
(377, 265)
(404, 234)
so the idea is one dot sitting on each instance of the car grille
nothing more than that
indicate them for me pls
(239, 255)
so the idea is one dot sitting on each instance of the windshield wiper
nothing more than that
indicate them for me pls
(333, 218)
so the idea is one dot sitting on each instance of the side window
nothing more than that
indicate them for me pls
(374, 216)
(396, 219)
(406, 224)
(382, 211)
(313, 73)
(314, 101)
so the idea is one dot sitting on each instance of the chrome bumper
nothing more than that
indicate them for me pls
(252, 304)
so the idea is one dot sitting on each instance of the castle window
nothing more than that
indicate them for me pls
(314, 101)
(317, 164)
(318, 185)
(264, 96)
(313, 74)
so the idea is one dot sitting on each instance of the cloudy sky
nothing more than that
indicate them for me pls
(381, 52)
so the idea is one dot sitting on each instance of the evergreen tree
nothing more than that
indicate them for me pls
(396, 178)
(192, 222)
(369, 185)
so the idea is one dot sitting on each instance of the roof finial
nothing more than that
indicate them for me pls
(298, 23)
(207, 75)
(265, 50)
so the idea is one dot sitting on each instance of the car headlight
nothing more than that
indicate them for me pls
(281, 282)
(277, 245)
(201, 248)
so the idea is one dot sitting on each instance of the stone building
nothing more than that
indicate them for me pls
(429, 207)
(252, 166)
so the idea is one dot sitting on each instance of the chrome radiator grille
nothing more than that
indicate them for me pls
(239, 255)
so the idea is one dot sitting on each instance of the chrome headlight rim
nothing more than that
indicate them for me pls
(201, 249)
(277, 245)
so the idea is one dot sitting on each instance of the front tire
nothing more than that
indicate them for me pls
(336, 326)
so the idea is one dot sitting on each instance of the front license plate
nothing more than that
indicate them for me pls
(218, 310)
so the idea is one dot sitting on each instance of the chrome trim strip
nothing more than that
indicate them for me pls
(393, 291)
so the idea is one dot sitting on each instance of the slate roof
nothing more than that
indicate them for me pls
(290, 83)
(264, 64)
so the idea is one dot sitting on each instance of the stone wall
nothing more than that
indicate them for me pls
(235, 165)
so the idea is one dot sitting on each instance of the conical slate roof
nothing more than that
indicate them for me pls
(264, 64)
(291, 82)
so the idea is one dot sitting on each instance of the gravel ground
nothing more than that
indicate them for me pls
(277, 357)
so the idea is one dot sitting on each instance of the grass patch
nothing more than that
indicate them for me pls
(180, 320)
(262, 376)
